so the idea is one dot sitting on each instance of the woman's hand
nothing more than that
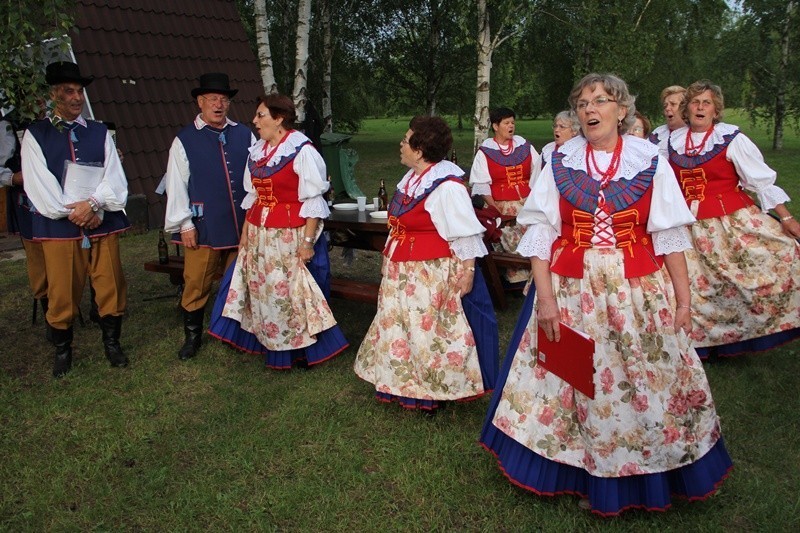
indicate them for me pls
(791, 227)
(547, 315)
(305, 252)
(683, 319)
(465, 280)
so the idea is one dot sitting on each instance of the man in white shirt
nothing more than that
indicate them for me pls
(79, 236)
(204, 196)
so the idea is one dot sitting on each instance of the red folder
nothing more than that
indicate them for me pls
(571, 358)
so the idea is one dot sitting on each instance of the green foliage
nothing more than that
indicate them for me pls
(31, 36)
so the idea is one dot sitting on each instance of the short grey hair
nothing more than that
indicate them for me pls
(614, 86)
(570, 118)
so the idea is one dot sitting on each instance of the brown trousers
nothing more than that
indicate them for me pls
(37, 276)
(67, 265)
(200, 268)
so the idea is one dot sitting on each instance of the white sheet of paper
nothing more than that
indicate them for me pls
(80, 181)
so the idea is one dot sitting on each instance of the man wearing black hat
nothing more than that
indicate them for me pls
(82, 235)
(204, 196)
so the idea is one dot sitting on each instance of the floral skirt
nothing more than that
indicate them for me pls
(510, 237)
(427, 344)
(653, 413)
(271, 303)
(745, 283)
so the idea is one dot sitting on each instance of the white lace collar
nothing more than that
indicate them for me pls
(287, 147)
(437, 171)
(637, 155)
(678, 137)
(491, 143)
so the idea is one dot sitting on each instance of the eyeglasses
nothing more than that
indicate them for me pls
(637, 130)
(261, 114)
(224, 100)
(560, 127)
(598, 102)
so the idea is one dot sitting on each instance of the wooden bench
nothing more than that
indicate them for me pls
(355, 290)
(491, 264)
(174, 268)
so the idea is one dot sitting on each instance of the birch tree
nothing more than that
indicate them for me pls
(301, 59)
(264, 50)
(783, 67)
(486, 47)
(327, 51)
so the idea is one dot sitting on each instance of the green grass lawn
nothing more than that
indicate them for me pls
(220, 442)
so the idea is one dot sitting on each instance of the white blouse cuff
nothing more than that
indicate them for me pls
(315, 207)
(482, 189)
(468, 247)
(672, 240)
(537, 242)
(771, 196)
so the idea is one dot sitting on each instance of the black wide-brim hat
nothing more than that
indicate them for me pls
(214, 82)
(65, 72)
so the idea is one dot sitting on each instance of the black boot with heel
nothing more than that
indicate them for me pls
(62, 340)
(193, 331)
(111, 326)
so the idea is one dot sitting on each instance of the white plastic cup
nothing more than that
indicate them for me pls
(362, 203)
(376, 203)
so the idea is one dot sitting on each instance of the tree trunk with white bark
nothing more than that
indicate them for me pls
(327, 108)
(264, 51)
(780, 93)
(484, 46)
(301, 58)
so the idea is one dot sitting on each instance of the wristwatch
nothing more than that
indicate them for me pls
(93, 205)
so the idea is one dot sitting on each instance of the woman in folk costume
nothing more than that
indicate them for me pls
(272, 300)
(434, 337)
(501, 173)
(601, 220)
(672, 98)
(565, 127)
(745, 266)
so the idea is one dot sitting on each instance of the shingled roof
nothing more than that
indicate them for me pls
(146, 56)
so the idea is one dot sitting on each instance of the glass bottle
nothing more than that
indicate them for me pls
(330, 195)
(163, 250)
(383, 199)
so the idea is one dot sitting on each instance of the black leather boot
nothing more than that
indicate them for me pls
(193, 330)
(111, 326)
(62, 340)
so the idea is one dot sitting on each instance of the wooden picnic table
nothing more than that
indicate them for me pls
(357, 229)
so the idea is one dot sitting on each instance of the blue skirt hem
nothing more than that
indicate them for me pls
(329, 343)
(608, 496)
(760, 344)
